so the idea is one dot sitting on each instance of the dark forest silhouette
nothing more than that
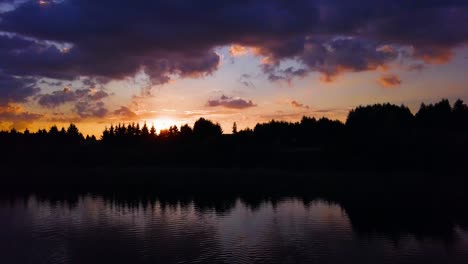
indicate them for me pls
(378, 120)
(380, 136)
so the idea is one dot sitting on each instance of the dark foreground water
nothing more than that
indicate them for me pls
(99, 229)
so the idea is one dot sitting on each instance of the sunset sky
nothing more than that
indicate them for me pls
(97, 63)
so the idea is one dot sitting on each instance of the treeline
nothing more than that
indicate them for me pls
(70, 135)
(365, 125)
(202, 130)
(375, 137)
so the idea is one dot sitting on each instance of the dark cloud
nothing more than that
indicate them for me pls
(51, 83)
(275, 74)
(330, 56)
(66, 95)
(389, 80)
(416, 67)
(246, 80)
(97, 95)
(113, 39)
(87, 109)
(296, 104)
(87, 102)
(124, 111)
(16, 89)
(103, 56)
(231, 102)
(57, 98)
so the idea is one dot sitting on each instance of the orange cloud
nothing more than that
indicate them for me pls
(296, 104)
(238, 50)
(13, 116)
(331, 75)
(389, 80)
(438, 57)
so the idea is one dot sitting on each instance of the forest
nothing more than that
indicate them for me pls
(379, 136)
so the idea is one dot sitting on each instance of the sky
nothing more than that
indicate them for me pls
(170, 62)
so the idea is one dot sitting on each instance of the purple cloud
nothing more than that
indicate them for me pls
(87, 109)
(296, 104)
(16, 89)
(125, 112)
(67, 39)
(66, 95)
(231, 102)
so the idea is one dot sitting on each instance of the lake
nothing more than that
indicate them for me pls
(94, 228)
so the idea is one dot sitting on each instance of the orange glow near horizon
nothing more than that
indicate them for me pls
(162, 123)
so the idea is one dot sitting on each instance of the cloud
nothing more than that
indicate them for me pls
(104, 56)
(86, 109)
(87, 102)
(67, 95)
(416, 67)
(96, 95)
(57, 98)
(246, 80)
(51, 83)
(16, 116)
(67, 39)
(299, 105)
(124, 111)
(329, 55)
(275, 74)
(16, 89)
(238, 50)
(231, 102)
(389, 80)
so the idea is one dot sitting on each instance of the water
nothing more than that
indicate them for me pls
(102, 229)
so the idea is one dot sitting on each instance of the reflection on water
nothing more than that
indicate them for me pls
(99, 229)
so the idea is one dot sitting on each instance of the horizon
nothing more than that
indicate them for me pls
(245, 62)
(167, 125)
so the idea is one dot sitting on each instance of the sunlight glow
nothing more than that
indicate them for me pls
(162, 123)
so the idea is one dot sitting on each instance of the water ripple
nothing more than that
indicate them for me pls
(100, 229)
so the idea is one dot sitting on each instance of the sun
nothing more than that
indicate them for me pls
(162, 123)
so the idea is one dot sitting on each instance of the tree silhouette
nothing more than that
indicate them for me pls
(144, 131)
(381, 117)
(105, 134)
(460, 116)
(434, 116)
(137, 130)
(204, 129)
(186, 131)
(53, 131)
(372, 135)
(153, 132)
(73, 134)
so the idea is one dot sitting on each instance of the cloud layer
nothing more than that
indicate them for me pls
(16, 116)
(389, 80)
(231, 102)
(114, 39)
(296, 104)
(16, 90)
(66, 95)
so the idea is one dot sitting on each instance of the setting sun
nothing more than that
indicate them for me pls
(162, 123)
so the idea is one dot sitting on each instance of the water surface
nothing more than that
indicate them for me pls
(97, 229)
